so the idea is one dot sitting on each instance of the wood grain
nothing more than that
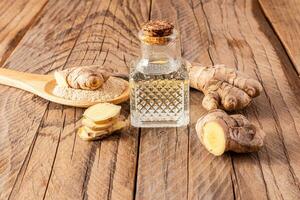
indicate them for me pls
(230, 38)
(45, 46)
(284, 16)
(15, 19)
(163, 153)
(42, 158)
(50, 161)
(180, 168)
(243, 39)
(106, 169)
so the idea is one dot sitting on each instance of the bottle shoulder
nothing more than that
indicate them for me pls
(158, 67)
(178, 72)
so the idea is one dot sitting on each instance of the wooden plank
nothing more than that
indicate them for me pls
(284, 16)
(231, 176)
(61, 166)
(242, 38)
(15, 19)
(210, 177)
(162, 170)
(172, 162)
(163, 153)
(103, 170)
(21, 113)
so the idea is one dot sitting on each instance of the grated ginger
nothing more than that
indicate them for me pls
(111, 89)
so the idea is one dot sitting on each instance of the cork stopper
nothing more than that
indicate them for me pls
(156, 32)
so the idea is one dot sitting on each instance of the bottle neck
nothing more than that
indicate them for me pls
(158, 53)
(161, 57)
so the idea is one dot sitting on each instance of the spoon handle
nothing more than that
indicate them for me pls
(22, 80)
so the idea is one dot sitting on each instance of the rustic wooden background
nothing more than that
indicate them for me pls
(42, 158)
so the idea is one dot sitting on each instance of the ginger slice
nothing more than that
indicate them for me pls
(116, 126)
(97, 127)
(95, 133)
(220, 132)
(86, 133)
(119, 125)
(102, 112)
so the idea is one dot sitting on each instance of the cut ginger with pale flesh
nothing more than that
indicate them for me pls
(214, 138)
(101, 120)
(97, 126)
(86, 133)
(102, 112)
(220, 132)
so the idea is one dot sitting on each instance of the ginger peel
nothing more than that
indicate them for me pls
(85, 78)
(223, 87)
(220, 132)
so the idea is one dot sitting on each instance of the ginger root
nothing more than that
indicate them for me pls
(220, 132)
(223, 87)
(85, 78)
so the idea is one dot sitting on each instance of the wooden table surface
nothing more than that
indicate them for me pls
(42, 158)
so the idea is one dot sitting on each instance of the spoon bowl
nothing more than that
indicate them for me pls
(43, 86)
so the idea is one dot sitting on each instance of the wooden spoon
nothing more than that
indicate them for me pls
(43, 85)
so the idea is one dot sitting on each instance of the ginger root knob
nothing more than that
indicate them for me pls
(223, 87)
(85, 78)
(220, 132)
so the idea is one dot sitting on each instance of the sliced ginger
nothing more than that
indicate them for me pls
(119, 125)
(214, 138)
(116, 126)
(223, 87)
(86, 133)
(101, 120)
(220, 132)
(102, 112)
(96, 133)
(100, 126)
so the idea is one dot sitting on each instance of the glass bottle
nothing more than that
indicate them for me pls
(159, 95)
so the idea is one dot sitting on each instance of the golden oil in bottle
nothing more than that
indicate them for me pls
(159, 82)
